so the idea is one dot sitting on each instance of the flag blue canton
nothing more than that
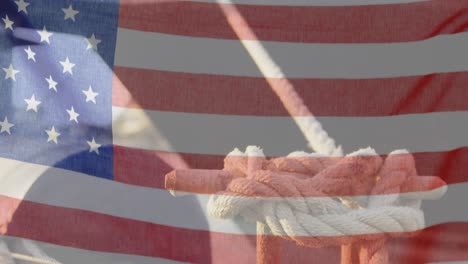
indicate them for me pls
(56, 60)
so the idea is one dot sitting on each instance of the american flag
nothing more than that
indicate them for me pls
(99, 99)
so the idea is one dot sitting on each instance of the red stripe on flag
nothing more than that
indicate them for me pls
(100, 232)
(326, 24)
(441, 243)
(147, 168)
(105, 233)
(229, 95)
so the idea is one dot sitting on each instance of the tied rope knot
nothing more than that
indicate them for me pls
(320, 201)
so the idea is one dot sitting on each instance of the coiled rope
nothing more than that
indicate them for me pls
(320, 201)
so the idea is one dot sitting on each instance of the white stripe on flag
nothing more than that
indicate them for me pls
(313, 2)
(292, 2)
(58, 187)
(147, 50)
(278, 136)
(71, 255)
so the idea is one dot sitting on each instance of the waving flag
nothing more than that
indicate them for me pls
(99, 99)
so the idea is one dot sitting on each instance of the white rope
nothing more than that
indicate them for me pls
(323, 216)
(30, 259)
(5, 255)
(291, 218)
(36, 254)
(316, 136)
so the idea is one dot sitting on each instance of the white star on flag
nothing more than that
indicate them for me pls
(10, 73)
(90, 95)
(93, 146)
(52, 135)
(31, 54)
(92, 42)
(45, 35)
(67, 66)
(73, 115)
(70, 13)
(32, 103)
(52, 83)
(6, 126)
(8, 23)
(22, 6)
